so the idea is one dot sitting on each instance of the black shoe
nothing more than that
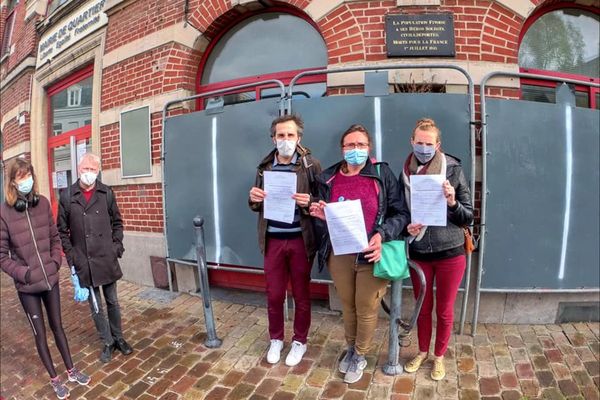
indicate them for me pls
(123, 346)
(107, 351)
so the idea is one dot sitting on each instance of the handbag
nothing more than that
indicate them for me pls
(469, 243)
(392, 265)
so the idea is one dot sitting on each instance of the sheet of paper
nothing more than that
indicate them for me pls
(346, 226)
(61, 179)
(427, 202)
(279, 205)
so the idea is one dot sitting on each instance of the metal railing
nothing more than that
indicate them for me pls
(484, 192)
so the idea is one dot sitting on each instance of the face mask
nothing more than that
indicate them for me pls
(25, 186)
(88, 178)
(356, 156)
(423, 153)
(286, 148)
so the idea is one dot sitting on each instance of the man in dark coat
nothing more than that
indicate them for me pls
(91, 231)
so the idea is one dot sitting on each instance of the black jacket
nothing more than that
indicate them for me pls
(392, 205)
(91, 234)
(441, 238)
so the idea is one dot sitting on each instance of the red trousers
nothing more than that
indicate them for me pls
(285, 260)
(448, 274)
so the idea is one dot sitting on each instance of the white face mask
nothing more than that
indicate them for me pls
(286, 148)
(88, 178)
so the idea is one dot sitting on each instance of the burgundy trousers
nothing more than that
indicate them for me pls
(448, 274)
(286, 260)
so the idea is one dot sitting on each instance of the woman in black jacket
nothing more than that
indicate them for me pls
(30, 253)
(439, 250)
(385, 217)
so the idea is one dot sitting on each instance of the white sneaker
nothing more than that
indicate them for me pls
(295, 355)
(274, 353)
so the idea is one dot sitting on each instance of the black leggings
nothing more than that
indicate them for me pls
(32, 304)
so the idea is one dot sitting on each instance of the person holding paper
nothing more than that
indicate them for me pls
(286, 239)
(385, 216)
(439, 250)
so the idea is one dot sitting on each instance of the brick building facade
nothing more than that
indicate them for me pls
(144, 53)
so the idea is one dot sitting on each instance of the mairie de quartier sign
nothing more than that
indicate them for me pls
(420, 35)
(80, 23)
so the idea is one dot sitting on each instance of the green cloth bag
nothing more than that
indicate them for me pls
(392, 265)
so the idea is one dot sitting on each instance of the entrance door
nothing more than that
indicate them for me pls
(64, 152)
(70, 129)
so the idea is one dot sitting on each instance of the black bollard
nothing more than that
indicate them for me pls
(212, 341)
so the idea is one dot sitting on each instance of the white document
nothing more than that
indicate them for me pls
(279, 205)
(61, 179)
(428, 205)
(346, 225)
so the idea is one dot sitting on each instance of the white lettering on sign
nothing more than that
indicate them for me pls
(85, 20)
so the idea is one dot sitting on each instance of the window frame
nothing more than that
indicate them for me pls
(591, 91)
(284, 76)
(80, 134)
(7, 35)
(149, 141)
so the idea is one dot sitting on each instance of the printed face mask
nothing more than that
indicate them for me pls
(286, 148)
(88, 178)
(25, 186)
(356, 156)
(423, 152)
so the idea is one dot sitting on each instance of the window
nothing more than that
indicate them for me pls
(136, 156)
(74, 96)
(54, 4)
(9, 27)
(57, 129)
(561, 42)
(237, 56)
(71, 106)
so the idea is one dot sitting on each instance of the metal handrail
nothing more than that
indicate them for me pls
(484, 153)
(195, 97)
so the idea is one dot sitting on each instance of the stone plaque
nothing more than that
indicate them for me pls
(420, 35)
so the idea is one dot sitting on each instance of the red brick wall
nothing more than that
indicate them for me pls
(141, 18)
(141, 207)
(164, 69)
(24, 38)
(13, 134)
(13, 95)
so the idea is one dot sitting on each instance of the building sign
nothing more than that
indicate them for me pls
(421, 35)
(85, 20)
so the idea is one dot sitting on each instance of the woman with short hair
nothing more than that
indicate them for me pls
(385, 214)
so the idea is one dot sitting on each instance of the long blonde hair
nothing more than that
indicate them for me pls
(16, 169)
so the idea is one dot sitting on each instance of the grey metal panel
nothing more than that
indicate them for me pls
(327, 118)
(528, 170)
(242, 140)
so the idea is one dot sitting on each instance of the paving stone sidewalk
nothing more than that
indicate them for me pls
(170, 361)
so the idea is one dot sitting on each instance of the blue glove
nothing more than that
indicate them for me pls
(81, 294)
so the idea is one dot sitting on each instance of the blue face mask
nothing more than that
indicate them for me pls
(25, 186)
(356, 156)
(423, 152)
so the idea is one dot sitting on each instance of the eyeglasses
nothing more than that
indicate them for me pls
(359, 145)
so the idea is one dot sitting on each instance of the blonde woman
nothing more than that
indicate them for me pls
(439, 250)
